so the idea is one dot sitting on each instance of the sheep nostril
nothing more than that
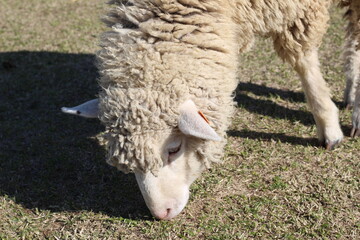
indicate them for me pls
(168, 211)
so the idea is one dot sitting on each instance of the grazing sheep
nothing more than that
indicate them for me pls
(168, 71)
(352, 65)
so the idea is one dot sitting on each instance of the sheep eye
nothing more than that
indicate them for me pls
(173, 151)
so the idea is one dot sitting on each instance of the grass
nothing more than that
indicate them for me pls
(274, 182)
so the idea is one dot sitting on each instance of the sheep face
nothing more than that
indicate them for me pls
(167, 191)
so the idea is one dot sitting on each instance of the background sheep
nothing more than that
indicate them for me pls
(164, 60)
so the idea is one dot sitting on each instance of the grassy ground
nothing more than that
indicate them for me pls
(274, 183)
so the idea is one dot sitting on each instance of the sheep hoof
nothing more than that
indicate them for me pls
(355, 132)
(330, 145)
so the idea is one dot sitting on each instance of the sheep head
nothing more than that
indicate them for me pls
(175, 156)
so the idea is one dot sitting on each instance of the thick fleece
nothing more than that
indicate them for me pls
(160, 53)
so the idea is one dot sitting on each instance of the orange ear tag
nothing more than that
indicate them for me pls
(203, 116)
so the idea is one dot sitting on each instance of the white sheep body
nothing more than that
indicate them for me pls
(160, 53)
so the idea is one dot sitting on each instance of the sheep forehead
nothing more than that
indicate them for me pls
(139, 110)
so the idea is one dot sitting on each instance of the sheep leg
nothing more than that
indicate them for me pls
(298, 45)
(355, 131)
(355, 94)
(318, 97)
(351, 67)
(352, 90)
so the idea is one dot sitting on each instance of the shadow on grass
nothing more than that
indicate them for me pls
(271, 108)
(268, 107)
(274, 136)
(269, 91)
(49, 160)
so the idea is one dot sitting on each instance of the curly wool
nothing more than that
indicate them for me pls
(149, 66)
(160, 53)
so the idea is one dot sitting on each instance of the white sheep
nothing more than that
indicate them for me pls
(352, 65)
(168, 71)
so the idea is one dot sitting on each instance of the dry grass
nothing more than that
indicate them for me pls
(274, 183)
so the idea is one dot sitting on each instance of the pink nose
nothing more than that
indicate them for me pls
(163, 215)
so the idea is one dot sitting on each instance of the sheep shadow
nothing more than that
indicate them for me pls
(273, 136)
(49, 160)
(270, 108)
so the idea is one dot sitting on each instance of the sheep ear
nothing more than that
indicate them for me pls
(89, 109)
(193, 122)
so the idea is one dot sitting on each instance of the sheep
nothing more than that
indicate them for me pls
(352, 65)
(168, 69)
